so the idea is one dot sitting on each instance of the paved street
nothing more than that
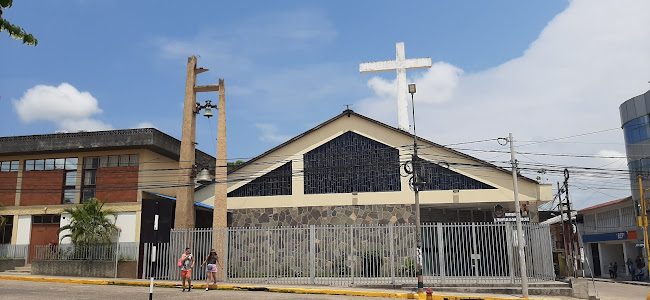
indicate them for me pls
(619, 291)
(27, 290)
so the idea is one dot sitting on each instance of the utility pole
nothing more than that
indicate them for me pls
(416, 189)
(185, 194)
(560, 191)
(574, 248)
(520, 233)
(643, 221)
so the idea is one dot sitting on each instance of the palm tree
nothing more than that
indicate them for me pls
(90, 224)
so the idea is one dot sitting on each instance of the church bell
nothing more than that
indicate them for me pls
(204, 177)
(208, 114)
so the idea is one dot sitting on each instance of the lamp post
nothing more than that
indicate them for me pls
(416, 189)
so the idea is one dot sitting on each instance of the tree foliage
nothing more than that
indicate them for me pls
(236, 163)
(15, 31)
(90, 224)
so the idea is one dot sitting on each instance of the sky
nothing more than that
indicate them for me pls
(542, 70)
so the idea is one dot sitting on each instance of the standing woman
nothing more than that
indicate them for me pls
(212, 260)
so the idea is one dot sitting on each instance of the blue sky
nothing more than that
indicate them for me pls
(539, 69)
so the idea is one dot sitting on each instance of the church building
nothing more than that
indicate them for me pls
(353, 170)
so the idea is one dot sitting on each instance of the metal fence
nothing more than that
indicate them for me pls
(104, 252)
(14, 251)
(463, 253)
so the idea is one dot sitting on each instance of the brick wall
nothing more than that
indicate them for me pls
(42, 188)
(8, 188)
(119, 184)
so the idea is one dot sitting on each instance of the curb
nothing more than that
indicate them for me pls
(641, 283)
(394, 295)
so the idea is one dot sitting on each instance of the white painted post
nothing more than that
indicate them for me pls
(117, 250)
(153, 249)
(391, 238)
(441, 252)
(312, 254)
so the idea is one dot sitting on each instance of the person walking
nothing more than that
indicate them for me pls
(639, 266)
(186, 263)
(615, 270)
(211, 269)
(611, 270)
(630, 268)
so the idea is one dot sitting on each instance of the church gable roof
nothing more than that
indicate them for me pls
(349, 113)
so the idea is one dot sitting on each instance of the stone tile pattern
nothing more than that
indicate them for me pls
(324, 215)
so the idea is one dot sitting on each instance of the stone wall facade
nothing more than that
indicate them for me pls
(324, 215)
(10, 264)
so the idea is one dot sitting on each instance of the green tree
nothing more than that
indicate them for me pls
(90, 224)
(236, 163)
(15, 31)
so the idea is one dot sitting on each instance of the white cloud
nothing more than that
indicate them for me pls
(587, 61)
(270, 133)
(64, 105)
(145, 125)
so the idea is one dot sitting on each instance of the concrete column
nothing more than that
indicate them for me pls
(185, 195)
(220, 212)
(19, 182)
(221, 173)
(604, 268)
(298, 182)
(14, 231)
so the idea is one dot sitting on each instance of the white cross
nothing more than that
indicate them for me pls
(400, 64)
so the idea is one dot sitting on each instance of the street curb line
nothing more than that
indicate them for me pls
(394, 295)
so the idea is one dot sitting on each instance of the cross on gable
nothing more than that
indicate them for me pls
(400, 64)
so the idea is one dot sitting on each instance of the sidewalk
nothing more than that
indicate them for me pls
(619, 280)
(326, 290)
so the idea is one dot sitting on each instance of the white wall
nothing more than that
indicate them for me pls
(610, 253)
(65, 220)
(126, 221)
(24, 230)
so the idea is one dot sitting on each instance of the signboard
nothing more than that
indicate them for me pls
(611, 236)
(501, 215)
(510, 217)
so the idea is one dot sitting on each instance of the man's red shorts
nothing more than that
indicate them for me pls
(186, 274)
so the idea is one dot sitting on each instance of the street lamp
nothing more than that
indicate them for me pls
(416, 189)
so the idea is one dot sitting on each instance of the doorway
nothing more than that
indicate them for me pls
(595, 254)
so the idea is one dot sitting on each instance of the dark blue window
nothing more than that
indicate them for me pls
(637, 130)
(274, 183)
(438, 178)
(351, 163)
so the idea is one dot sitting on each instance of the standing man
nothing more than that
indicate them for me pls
(186, 263)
